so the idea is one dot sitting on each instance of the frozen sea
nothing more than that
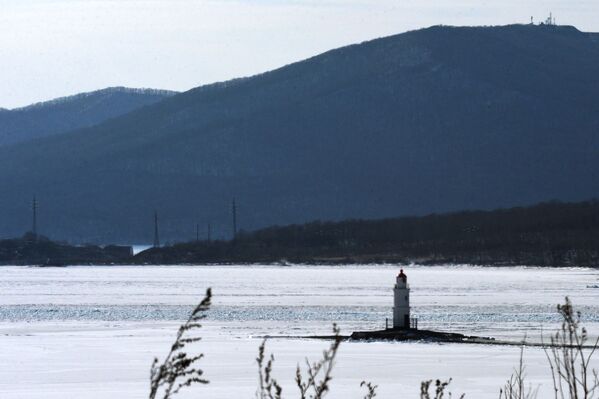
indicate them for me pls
(92, 332)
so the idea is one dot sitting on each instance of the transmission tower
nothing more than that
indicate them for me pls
(156, 238)
(34, 210)
(234, 219)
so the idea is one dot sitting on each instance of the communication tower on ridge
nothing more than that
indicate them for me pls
(551, 20)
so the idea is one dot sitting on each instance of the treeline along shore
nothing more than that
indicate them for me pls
(547, 234)
(34, 249)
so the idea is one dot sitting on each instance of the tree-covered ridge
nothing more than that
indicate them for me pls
(34, 249)
(548, 234)
(73, 112)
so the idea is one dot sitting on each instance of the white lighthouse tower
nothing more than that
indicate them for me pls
(401, 305)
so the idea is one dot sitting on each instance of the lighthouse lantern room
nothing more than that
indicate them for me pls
(401, 305)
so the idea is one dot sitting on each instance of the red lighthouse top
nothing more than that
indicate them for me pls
(402, 276)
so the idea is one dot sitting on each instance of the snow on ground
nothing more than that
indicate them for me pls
(92, 332)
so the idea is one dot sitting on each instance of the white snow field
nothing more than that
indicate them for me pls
(92, 332)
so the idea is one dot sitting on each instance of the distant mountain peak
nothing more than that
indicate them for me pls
(73, 112)
(105, 91)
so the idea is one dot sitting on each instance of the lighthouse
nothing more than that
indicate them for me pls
(401, 304)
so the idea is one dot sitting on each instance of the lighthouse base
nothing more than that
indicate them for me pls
(410, 334)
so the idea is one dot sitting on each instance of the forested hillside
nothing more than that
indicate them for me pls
(548, 234)
(435, 120)
(64, 114)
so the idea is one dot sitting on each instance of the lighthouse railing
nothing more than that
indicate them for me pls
(414, 323)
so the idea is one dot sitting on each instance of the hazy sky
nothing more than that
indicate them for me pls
(52, 48)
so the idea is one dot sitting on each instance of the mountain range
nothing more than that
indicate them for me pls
(434, 120)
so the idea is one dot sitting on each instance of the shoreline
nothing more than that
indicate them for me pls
(308, 264)
(421, 336)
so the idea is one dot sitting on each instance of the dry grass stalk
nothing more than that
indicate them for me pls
(178, 368)
(515, 387)
(440, 389)
(318, 374)
(569, 358)
(269, 388)
(313, 386)
(371, 389)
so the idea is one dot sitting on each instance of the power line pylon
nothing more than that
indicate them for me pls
(234, 219)
(156, 238)
(34, 207)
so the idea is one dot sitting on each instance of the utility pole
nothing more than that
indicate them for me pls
(234, 219)
(197, 232)
(34, 209)
(209, 232)
(156, 238)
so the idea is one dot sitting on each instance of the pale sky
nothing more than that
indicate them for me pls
(53, 48)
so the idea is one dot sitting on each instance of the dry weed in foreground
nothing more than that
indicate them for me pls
(178, 368)
(268, 388)
(314, 384)
(439, 389)
(515, 387)
(371, 389)
(318, 374)
(569, 358)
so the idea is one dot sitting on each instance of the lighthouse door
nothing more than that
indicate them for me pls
(406, 321)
